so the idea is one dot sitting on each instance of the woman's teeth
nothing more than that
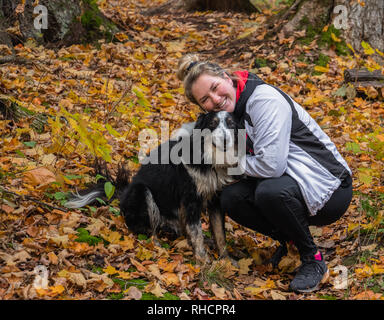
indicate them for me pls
(223, 103)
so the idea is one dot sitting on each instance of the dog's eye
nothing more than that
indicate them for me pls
(230, 122)
(214, 122)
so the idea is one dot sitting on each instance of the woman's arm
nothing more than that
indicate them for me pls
(271, 117)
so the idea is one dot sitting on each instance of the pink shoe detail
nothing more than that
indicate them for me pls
(318, 256)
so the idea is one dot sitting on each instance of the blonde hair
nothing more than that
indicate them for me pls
(190, 68)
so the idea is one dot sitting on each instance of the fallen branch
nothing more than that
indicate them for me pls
(14, 59)
(2, 189)
(360, 75)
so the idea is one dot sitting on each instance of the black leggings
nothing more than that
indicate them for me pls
(275, 207)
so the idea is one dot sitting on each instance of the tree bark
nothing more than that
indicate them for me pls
(360, 23)
(364, 23)
(68, 21)
(314, 12)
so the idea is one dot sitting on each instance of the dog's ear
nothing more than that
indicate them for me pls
(200, 120)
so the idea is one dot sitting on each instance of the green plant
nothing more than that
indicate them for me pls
(84, 236)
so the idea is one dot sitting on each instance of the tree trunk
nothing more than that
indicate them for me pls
(356, 21)
(364, 23)
(313, 12)
(56, 21)
(220, 5)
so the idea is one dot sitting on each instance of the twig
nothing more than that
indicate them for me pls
(116, 103)
(2, 189)
(14, 59)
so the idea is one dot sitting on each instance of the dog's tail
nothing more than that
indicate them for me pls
(91, 194)
(88, 196)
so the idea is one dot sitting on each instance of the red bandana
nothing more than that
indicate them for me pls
(242, 79)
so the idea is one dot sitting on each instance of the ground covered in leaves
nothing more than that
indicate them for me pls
(71, 104)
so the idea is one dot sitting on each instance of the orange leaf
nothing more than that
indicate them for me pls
(39, 176)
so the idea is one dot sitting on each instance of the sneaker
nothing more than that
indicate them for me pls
(312, 272)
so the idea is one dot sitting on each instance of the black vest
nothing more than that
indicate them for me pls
(240, 108)
(300, 134)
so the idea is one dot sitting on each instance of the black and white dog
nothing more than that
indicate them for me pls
(173, 195)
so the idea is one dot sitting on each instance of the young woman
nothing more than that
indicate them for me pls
(295, 177)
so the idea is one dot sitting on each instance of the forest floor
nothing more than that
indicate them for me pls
(82, 101)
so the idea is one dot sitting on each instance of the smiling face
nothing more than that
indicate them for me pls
(214, 93)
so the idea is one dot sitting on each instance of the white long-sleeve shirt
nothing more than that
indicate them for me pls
(287, 140)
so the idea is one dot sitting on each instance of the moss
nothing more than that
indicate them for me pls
(324, 38)
(322, 60)
(311, 31)
(96, 25)
(260, 62)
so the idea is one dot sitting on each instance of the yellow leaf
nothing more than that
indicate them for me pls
(350, 47)
(143, 254)
(112, 131)
(111, 236)
(378, 269)
(56, 290)
(63, 273)
(125, 275)
(110, 270)
(380, 53)
(121, 36)
(42, 292)
(335, 38)
(127, 243)
(367, 48)
(270, 284)
(322, 69)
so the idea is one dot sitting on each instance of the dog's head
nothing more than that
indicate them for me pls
(223, 130)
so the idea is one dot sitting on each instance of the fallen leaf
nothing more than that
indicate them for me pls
(134, 293)
(219, 292)
(155, 288)
(39, 176)
(277, 296)
(244, 265)
(171, 278)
